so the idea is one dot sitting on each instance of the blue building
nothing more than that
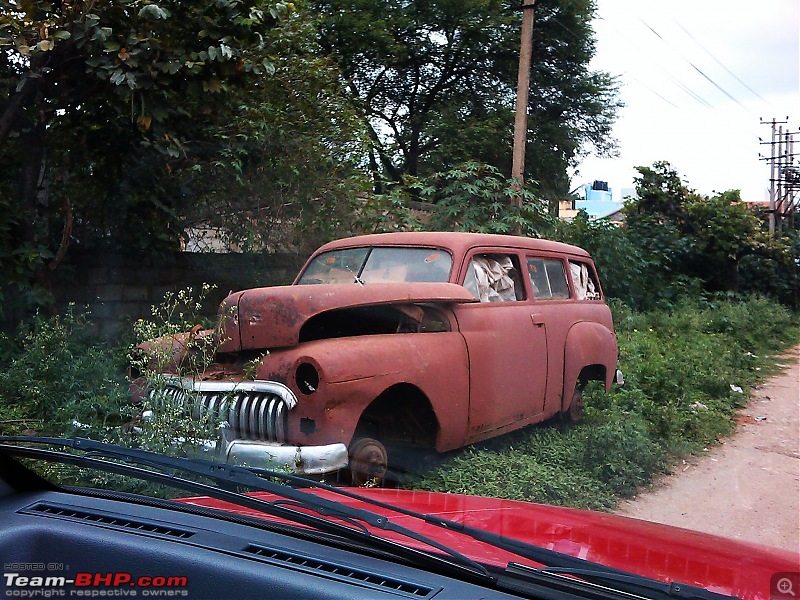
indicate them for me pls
(597, 200)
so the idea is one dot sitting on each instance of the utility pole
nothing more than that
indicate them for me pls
(523, 89)
(784, 179)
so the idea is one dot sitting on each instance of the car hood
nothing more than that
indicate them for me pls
(653, 550)
(264, 318)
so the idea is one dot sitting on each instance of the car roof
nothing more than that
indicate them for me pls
(456, 241)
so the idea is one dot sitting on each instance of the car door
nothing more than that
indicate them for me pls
(506, 344)
(553, 305)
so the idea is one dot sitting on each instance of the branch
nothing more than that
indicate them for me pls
(65, 235)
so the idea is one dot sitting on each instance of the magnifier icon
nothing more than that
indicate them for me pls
(784, 586)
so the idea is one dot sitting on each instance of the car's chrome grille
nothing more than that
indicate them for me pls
(252, 410)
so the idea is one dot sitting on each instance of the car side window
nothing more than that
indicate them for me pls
(548, 279)
(583, 281)
(494, 278)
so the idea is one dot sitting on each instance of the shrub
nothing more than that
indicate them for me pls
(59, 379)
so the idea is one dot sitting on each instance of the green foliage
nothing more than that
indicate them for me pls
(474, 197)
(686, 372)
(682, 235)
(57, 378)
(172, 344)
(678, 244)
(289, 174)
(102, 108)
(437, 83)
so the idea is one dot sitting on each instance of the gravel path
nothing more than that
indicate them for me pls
(748, 487)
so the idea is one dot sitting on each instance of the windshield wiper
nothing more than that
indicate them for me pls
(627, 583)
(229, 477)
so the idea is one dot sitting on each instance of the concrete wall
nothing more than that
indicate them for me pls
(118, 289)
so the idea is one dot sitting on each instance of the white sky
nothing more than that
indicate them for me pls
(749, 49)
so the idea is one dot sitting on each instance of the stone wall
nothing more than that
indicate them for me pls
(117, 289)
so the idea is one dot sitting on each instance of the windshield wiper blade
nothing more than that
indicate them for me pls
(627, 583)
(232, 476)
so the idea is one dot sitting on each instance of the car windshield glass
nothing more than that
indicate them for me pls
(378, 265)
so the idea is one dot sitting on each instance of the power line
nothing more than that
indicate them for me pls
(731, 73)
(664, 71)
(695, 67)
(631, 75)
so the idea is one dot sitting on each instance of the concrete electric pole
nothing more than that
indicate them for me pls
(523, 88)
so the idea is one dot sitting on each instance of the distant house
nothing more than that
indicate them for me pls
(595, 198)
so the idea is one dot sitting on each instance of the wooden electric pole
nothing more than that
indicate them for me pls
(523, 88)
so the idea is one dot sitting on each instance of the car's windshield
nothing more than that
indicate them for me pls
(378, 265)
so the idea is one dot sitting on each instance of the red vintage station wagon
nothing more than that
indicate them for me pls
(390, 342)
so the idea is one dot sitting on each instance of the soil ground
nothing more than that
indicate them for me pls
(748, 487)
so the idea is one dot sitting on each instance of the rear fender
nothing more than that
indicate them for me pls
(588, 345)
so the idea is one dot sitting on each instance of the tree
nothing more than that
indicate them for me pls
(291, 170)
(101, 104)
(437, 80)
(476, 197)
(686, 233)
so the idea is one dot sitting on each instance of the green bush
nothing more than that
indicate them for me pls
(59, 379)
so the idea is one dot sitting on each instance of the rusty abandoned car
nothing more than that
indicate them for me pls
(391, 342)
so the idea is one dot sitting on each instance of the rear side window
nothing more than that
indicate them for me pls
(584, 282)
(548, 279)
(494, 278)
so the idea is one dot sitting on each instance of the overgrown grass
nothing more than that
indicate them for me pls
(58, 378)
(686, 370)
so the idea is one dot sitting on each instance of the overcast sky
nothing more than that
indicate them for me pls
(697, 76)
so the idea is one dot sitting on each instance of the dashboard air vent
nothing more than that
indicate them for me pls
(74, 514)
(342, 572)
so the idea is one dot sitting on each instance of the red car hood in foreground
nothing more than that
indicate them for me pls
(653, 550)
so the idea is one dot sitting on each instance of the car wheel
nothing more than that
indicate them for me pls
(368, 462)
(575, 410)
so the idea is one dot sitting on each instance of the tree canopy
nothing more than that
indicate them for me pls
(125, 122)
(437, 81)
(102, 102)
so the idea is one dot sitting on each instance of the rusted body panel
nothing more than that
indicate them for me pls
(353, 372)
(264, 318)
(502, 340)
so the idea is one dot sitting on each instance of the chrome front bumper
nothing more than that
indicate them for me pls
(274, 456)
(303, 460)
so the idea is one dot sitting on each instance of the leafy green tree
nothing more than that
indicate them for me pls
(437, 83)
(102, 104)
(476, 197)
(291, 168)
(685, 234)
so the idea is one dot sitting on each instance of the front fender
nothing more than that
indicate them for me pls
(355, 371)
(588, 344)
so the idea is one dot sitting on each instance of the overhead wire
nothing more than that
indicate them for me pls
(696, 68)
(627, 73)
(720, 63)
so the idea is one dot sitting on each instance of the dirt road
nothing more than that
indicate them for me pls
(747, 488)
